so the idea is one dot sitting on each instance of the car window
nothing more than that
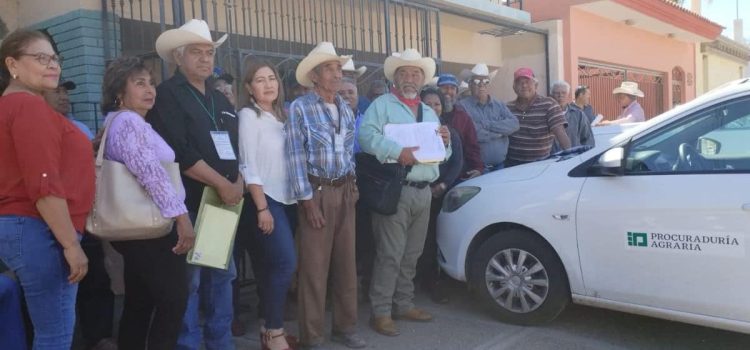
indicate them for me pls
(715, 139)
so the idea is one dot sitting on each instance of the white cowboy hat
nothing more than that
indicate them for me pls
(481, 70)
(323, 52)
(409, 58)
(349, 67)
(628, 88)
(195, 31)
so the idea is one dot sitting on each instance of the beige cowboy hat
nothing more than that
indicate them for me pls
(409, 58)
(323, 52)
(349, 67)
(195, 31)
(628, 88)
(481, 70)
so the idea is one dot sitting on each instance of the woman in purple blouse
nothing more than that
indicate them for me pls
(155, 277)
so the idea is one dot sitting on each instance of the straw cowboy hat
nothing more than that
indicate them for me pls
(628, 88)
(349, 67)
(323, 52)
(409, 58)
(481, 70)
(195, 31)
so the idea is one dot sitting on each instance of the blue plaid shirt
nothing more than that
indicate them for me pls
(310, 143)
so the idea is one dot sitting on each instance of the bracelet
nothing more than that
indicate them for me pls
(262, 210)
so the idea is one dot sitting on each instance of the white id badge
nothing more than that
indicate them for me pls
(339, 140)
(223, 145)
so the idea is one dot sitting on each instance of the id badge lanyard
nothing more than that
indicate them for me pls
(222, 142)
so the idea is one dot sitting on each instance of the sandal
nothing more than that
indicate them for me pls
(266, 337)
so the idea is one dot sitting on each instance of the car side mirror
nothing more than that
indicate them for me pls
(610, 163)
(708, 146)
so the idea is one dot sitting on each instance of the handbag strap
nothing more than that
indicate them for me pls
(103, 142)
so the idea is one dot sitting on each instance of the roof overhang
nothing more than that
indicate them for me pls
(657, 16)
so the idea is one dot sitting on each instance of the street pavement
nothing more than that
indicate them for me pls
(466, 324)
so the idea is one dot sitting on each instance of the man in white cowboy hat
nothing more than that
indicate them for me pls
(541, 118)
(626, 95)
(320, 142)
(199, 124)
(399, 238)
(492, 119)
(354, 74)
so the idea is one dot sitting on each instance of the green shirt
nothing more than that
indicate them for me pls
(387, 109)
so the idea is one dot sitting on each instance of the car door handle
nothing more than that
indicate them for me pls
(746, 207)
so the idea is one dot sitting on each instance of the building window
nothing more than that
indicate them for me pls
(678, 86)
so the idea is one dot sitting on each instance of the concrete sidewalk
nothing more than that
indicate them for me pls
(465, 324)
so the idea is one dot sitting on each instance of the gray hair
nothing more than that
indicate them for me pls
(560, 84)
(349, 80)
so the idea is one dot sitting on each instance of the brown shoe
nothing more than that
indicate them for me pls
(384, 325)
(415, 314)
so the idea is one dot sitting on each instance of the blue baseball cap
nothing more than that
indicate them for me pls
(447, 79)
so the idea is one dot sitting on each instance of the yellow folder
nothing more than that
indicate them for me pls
(215, 228)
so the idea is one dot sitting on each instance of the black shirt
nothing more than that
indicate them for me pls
(181, 116)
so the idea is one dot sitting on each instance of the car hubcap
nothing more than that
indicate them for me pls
(517, 280)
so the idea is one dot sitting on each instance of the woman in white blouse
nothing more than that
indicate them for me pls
(263, 165)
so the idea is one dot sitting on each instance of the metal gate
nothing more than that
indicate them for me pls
(603, 78)
(282, 31)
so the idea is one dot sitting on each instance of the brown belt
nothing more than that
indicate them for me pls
(337, 182)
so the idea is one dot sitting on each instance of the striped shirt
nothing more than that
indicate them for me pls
(311, 143)
(533, 141)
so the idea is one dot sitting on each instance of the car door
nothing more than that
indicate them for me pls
(672, 231)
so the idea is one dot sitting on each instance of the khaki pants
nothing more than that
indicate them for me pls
(320, 249)
(399, 240)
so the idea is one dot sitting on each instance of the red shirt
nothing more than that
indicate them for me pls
(43, 154)
(461, 121)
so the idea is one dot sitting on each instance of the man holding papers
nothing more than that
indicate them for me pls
(399, 238)
(199, 123)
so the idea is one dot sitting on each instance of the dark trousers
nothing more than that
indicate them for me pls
(428, 270)
(95, 301)
(365, 244)
(155, 293)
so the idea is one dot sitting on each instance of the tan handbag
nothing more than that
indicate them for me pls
(123, 209)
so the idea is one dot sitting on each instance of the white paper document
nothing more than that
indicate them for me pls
(424, 135)
(597, 120)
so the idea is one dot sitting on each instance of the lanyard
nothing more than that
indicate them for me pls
(211, 114)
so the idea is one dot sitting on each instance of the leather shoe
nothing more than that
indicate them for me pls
(384, 325)
(415, 314)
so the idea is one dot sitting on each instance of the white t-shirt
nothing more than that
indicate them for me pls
(334, 113)
(263, 155)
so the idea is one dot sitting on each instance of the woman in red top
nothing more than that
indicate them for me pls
(46, 188)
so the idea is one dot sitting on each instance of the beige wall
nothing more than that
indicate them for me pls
(525, 50)
(31, 12)
(9, 14)
(462, 43)
(719, 69)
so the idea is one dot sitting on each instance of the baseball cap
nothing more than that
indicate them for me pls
(524, 72)
(447, 79)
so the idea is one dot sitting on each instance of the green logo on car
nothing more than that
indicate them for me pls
(637, 239)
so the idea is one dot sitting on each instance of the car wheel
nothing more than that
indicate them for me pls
(520, 277)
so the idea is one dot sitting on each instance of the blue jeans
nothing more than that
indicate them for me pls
(12, 333)
(30, 249)
(278, 262)
(209, 291)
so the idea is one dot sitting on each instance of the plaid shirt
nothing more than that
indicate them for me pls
(310, 133)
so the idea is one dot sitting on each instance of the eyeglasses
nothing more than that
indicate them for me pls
(481, 81)
(44, 59)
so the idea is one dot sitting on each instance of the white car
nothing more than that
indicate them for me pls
(653, 221)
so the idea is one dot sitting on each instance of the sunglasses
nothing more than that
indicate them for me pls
(481, 81)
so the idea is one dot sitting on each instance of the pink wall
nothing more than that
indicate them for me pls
(596, 38)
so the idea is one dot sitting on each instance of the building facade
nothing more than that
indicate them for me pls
(457, 33)
(605, 42)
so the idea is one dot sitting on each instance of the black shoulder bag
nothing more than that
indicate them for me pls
(380, 184)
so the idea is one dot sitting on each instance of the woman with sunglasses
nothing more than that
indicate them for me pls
(46, 188)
